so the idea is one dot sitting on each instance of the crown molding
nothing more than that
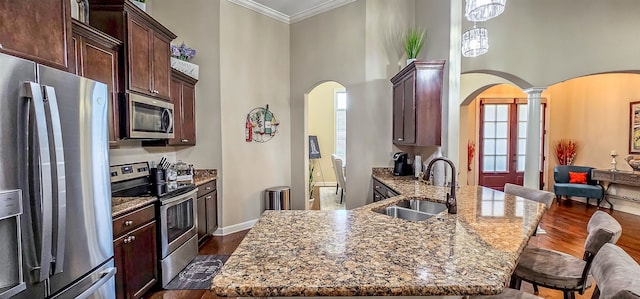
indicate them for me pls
(259, 8)
(267, 11)
(316, 10)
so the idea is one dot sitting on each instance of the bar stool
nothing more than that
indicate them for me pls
(557, 270)
(616, 274)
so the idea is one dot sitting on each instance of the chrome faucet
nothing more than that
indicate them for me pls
(452, 206)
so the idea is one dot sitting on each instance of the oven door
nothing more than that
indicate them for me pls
(147, 118)
(177, 221)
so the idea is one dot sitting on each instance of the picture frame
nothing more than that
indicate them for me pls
(634, 127)
(314, 147)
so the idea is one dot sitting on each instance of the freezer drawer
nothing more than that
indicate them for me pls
(99, 284)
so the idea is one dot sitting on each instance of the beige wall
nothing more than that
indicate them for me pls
(254, 72)
(244, 64)
(329, 46)
(546, 41)
(593, 111)
(349, 45)
(322, 123)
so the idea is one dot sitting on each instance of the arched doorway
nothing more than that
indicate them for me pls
(325, 132)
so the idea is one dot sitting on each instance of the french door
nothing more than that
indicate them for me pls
(503, 133)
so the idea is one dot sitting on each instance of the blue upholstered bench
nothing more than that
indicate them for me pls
(562, 186)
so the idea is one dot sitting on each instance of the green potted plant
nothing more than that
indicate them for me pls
(413, 41)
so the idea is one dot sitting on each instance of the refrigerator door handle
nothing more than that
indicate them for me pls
(40, 265)
(104, 277)
(59, 170)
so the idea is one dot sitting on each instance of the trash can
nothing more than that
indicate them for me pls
(277, 198)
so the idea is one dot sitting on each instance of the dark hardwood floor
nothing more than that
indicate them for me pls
(565, 224)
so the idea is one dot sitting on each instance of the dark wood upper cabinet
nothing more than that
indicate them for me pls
(145, 63)
(95, 56)
(183, 97)
(22, 33)
(417, 104)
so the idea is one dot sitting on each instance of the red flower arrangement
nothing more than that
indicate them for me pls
(566, 151)
(471, 149)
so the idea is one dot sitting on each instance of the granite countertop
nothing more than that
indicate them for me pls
(123, 205)
(203, 176)
(363, 253)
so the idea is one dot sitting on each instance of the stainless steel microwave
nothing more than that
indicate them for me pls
(146, 118)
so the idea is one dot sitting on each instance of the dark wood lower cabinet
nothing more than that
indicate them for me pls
(136, 260)
(207, 210)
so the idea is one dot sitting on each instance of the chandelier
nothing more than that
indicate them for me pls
(483, 10)
(475, 42)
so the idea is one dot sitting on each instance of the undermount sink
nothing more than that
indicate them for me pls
(413, 209)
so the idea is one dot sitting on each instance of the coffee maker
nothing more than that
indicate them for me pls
(401, 164)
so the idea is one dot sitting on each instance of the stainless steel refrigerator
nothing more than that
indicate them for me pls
(55, 194)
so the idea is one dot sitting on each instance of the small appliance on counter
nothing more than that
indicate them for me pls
(401, 164)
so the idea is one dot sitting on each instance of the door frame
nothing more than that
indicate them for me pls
(513, 117)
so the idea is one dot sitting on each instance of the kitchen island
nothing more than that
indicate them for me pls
(361, 252)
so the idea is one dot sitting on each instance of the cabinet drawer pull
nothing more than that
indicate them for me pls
(209, 197)
(127, 240)
(133, 238)
(128, 223)
(185, 140)
(208, 188)
(377, 187)
(400, 139)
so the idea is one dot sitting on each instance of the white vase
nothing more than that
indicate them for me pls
(188, 68)
(410, 60)
(140, 5)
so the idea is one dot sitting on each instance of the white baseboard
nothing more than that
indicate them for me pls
(223, 231)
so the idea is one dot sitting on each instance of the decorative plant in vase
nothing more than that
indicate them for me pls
(182, 52)
(413, 41)
(180, 57)
(566, 151)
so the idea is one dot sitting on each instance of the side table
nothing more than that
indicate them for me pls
(608, 178)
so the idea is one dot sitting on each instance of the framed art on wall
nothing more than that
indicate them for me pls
(634, 127)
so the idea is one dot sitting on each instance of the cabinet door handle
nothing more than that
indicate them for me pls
(185, 140)
(127, 240)
(209, 197)
(208, 188)
(133, 238)
(400, 139)
(128, 223)
(377, 187)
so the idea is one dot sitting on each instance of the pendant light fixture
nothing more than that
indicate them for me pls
(483, 10)
(475, 42)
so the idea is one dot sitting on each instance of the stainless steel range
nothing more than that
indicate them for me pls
(176, 212)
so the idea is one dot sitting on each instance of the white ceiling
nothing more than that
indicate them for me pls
(291, 11)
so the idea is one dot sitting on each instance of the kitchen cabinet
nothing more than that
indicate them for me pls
(183, 97)
(22, 33)
(135, 252)
(207, 203)
(417, 104)
(381, 191)
(95, 56)
(145, 55)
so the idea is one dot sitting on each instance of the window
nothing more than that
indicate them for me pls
(341, 124)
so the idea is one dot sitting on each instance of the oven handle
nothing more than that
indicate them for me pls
(178, 199)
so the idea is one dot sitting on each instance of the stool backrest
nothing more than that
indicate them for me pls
(540, 196)
(616, 274)
(602, 229)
